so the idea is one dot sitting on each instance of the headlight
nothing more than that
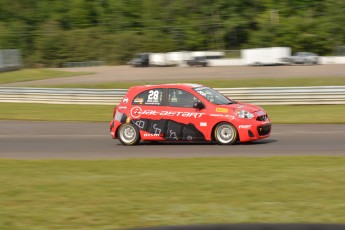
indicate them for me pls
(245, 114)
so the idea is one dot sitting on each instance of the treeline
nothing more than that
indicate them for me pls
(51, 32)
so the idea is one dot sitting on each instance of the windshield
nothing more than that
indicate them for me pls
(213, 96)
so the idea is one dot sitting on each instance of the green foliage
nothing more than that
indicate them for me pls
(53, 32)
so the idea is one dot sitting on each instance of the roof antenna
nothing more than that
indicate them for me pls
(145, 82)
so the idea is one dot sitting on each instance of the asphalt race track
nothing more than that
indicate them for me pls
(146, 75)
(80, 140)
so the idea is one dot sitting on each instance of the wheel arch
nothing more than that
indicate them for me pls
(117, 135)
(215, 125)
(116, 130)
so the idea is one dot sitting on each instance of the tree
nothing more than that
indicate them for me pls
(53, 32)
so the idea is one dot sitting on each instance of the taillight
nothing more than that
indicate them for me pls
(114, 112)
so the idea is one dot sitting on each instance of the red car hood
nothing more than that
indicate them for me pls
(243, 106)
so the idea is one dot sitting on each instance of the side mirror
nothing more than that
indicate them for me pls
(198, 105)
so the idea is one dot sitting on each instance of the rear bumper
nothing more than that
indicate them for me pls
(114, 125)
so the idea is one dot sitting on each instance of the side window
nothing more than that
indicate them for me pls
(181, 98)
(149, 97)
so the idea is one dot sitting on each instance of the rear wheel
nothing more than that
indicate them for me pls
(129, 134)
(225, 134)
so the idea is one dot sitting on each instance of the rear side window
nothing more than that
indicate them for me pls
(181, 98)
(149, 97)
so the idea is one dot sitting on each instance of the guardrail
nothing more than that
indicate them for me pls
(288, 95)
(259, 96)
(62, 96)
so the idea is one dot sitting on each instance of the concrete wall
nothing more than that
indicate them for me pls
(332, 60)
(226, 62)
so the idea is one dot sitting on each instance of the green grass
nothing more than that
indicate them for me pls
(225, 83)
(55, 112)
(50, 112)
(35, 74)
(120, 194)
(304, 114)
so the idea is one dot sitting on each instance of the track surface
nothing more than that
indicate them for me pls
(78, 140)
(127, 73)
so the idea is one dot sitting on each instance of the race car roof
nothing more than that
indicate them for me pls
(180, 85)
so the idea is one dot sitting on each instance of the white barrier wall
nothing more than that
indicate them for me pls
(241, 62)
(226, 62)
(265, 56)
(268, 56)
(332, 60)
(208, 54)
(179, 58)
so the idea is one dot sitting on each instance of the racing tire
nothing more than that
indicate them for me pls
(129, 134)
(225, 134)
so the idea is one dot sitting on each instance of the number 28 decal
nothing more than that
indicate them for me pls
(153, 97)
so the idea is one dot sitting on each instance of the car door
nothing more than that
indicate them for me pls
(183, 121)
(146, 112)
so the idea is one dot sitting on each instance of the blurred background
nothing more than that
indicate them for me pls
(50, 33)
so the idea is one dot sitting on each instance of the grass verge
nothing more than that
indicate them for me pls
(306, 114)
(225, 83)
(35, 74)
(50, 112)
(55, 112)
(149, 192)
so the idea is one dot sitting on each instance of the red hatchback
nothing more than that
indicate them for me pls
(186, 112)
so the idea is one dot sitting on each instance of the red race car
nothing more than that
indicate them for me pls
(186, 112)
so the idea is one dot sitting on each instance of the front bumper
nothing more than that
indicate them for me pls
(254, 131)
(264, 130)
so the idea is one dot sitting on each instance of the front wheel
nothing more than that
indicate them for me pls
(225, 134)
(129, 134)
